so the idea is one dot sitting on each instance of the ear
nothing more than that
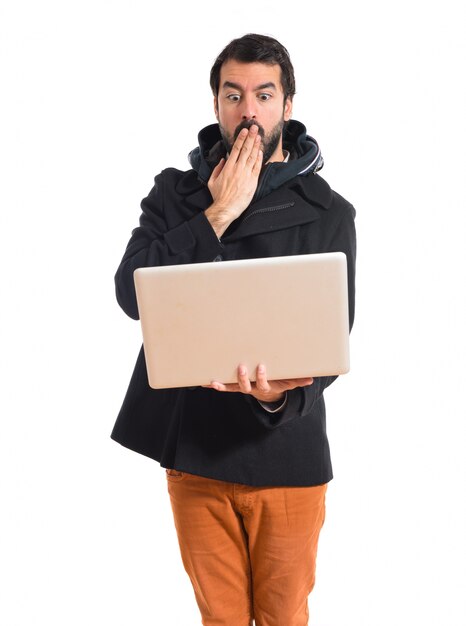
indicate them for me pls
(216, 107)
(288, 110)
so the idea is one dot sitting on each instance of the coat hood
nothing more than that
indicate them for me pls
(305, 157)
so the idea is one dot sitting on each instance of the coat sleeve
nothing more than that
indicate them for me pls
(301, 401)
(154, 243)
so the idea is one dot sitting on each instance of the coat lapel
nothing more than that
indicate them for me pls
(283, 208)
(292, 204)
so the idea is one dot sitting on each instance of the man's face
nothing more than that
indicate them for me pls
(251, 93)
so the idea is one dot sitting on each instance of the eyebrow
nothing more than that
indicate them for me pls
(228, 84)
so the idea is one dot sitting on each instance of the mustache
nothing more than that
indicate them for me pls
(248, 124)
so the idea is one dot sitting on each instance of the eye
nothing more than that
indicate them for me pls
(233, 97)
(264, 97)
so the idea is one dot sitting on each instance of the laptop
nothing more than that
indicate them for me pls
(200, 321)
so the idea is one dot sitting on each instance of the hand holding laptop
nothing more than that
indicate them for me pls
(262, 389)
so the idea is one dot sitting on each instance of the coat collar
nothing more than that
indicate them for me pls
(305, 156)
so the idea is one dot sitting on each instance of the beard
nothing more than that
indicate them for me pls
(269, 142)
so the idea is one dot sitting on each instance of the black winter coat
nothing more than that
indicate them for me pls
(230, 436)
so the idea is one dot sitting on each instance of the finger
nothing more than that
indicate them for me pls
(258, 164)
(224, 387)
(237, 146)
(248, 146)
(262, 383)
(243, 379)
(252, 158)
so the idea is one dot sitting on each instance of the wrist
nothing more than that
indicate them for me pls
(218, 218)
(274, 407)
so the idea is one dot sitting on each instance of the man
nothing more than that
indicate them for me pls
(247, 463)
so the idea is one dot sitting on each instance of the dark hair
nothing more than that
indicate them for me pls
(253, 48)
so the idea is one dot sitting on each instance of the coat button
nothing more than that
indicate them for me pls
(219, 257)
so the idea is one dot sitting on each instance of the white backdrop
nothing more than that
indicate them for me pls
(97, 97)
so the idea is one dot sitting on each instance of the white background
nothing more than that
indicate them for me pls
(97, 97)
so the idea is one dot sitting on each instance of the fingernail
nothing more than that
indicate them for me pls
(261, 369)
(242, 370)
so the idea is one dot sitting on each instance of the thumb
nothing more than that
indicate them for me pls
(216, 171)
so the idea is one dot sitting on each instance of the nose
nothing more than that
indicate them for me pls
(248, 110)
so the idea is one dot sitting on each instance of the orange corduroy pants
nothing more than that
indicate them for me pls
(250, 552)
